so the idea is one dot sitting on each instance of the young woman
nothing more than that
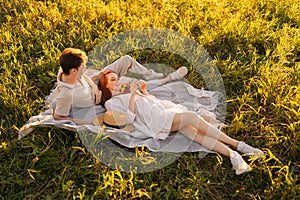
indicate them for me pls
(157, 118)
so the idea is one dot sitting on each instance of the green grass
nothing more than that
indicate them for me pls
(255, 44)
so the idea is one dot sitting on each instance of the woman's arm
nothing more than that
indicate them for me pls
(131, 105)
(121, 103)
(124, 103)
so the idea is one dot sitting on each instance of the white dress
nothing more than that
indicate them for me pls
(153, 117)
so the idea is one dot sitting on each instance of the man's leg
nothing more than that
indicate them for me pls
(126, 63)
(177, 75)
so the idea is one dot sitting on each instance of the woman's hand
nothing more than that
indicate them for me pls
(133, 87)
(143, 86)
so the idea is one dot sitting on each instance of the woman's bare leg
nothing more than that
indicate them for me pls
(238, 163)
(198, 130)
(182, 120)
(206, 141)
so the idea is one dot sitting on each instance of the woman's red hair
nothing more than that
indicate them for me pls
(106, 93)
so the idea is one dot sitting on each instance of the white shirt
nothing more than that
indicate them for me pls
(153, 117)
(73, 95)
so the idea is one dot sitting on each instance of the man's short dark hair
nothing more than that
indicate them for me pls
(71, 58)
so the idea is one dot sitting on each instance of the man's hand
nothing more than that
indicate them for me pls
(96, 94)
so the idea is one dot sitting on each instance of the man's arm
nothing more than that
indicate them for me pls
(95, 91)
(76, 121)
(63, 106)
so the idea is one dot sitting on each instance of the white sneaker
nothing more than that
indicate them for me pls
(179, 73)
(248, 150)
(238, 163)
(153, 75)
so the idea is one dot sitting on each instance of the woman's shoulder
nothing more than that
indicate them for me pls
(119, 102)
(121, 97)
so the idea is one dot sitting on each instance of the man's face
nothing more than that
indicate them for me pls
(81, 69)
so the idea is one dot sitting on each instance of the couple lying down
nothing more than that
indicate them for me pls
(152, 116)
(157, 118)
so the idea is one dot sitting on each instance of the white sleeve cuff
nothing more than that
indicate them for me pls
(130, 117)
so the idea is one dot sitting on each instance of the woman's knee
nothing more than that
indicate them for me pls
(191, 116)
(188, 118)
(182, 120)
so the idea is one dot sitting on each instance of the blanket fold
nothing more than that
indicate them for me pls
(205, 103)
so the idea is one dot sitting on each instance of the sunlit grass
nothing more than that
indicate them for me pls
(255, 44)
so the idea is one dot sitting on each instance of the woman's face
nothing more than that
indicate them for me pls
(113, 83)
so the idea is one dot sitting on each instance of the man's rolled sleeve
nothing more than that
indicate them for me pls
(63, 103)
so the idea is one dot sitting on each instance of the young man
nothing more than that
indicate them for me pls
(75, 90)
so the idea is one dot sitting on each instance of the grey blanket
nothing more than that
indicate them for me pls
(105, 141)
